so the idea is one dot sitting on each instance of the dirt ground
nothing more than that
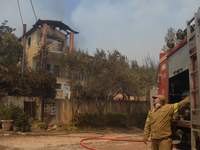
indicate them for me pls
(70, 140)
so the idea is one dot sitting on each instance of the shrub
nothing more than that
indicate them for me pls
(93, 120)
(15, 113)
(22, 122)
(110, 120)
(6, 113)
(42, 125)
(139, 120)
(87, 120)
(116, 120)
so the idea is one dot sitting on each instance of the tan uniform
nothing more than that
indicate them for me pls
(158, 121)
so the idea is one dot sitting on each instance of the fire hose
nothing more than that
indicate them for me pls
(95, 138)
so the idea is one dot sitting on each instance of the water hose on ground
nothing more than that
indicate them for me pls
(95, 138)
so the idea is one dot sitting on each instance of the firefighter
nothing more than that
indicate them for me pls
(158, 122)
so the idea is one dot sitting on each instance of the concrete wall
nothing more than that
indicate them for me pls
(32, 49)
(19, 101)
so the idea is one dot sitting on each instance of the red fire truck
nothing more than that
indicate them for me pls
(179, 75)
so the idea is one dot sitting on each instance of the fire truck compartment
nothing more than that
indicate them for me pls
(178, 90)
(178, 62)
(178, 85)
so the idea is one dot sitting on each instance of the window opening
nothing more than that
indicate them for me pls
(58, 86)
(48, 67)
(29, 42)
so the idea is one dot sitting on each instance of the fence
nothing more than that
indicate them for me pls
(62, 108)
(59, 111)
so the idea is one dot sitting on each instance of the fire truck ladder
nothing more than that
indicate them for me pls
(193, 40)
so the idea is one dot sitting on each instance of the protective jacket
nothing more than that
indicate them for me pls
(158, 121)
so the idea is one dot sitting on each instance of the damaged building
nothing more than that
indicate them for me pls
(57, 38)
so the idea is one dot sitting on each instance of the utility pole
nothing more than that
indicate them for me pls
(23, 57)
(24, 47)
(43, 66)
(43, 53)
(43, 90)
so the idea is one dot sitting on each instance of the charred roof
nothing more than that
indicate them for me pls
(51, 23)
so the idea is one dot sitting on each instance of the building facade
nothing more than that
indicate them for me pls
(43, 44)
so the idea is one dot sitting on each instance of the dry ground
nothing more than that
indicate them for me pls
(70, 140)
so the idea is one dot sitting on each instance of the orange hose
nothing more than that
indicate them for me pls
(94, 138)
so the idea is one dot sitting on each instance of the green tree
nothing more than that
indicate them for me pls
(151, 69)
(75, 67)
(29, 85)
(110, 75)
(104, 76)
(10, 48)
(5, 29)
(144, 77)
(147, 75)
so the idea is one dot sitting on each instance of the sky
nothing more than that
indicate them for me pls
(136, 28)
